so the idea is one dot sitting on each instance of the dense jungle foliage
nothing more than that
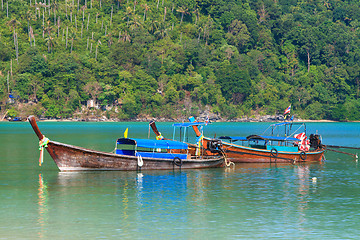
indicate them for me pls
(164, 58)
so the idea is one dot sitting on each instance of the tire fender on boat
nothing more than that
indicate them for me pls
(177, 161)
(303, 155)
(140, 162)
(274, 152)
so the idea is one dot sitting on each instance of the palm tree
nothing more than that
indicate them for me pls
(146, 8)
(135, 22)
(183, 10)
(51, 43)
(162, 31)
(128, 14)
(50, 40)
(154, 25)
(126, 37)
(13, 23)
(55, 6)
(72, 37)
(197, 15)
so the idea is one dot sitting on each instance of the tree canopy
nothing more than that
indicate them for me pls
(139, 58)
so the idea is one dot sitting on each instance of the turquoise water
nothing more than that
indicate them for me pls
(248, 202)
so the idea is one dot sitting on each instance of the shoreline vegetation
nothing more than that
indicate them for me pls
(131, 60)
(201, 118)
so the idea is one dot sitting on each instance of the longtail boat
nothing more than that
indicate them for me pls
(267, 149)
(129, 154)
(262, 148)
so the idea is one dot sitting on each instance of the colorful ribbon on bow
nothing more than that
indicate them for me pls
(42, 143)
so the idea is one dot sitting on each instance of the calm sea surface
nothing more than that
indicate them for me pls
(248, 202)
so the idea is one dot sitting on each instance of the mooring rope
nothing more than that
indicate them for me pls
(228, 163)
(42, 143)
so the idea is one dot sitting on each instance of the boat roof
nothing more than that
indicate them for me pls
(150, 143)
(260, 137)
(188, 124)
(287, 123)
(233, 138)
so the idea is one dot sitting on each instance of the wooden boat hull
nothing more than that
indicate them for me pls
(243, 154)
(72, 158)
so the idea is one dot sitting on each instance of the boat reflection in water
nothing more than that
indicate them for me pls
(42, 205)
(141, 204)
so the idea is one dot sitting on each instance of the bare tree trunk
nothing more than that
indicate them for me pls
(16, 46)
(87, 44)
(67, 31)
(87, 27)
(112, 9)
(17, 49)
(8, 82)
(308, 57)
(164, 14)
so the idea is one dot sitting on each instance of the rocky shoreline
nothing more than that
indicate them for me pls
(201, 118)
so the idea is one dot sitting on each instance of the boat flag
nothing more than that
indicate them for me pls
(287, 110)
(207, 120)
(304, 144)
(126, 133)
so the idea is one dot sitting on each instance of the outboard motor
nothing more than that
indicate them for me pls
(214, 146)
(315, 141)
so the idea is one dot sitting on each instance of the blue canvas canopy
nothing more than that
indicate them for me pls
(149, 143)
(233, 138)
(271, 138)
(260, 137)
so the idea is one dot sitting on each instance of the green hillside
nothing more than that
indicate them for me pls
(161, 58)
